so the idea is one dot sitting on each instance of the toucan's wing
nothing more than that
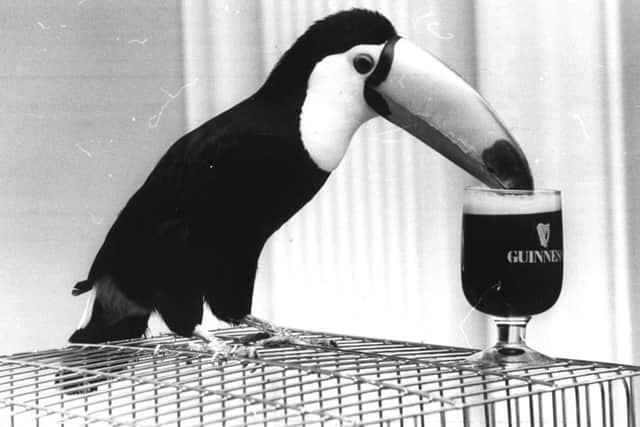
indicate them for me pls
(160, 211)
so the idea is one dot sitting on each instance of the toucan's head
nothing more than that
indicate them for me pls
(352, 65)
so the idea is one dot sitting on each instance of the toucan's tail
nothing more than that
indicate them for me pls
(100, 328)
(109, 314)
(82, 287)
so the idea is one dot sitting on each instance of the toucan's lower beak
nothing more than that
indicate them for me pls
(417, 92)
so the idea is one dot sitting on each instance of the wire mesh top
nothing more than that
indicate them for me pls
(360, 381)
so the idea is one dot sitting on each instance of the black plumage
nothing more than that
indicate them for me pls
(196, 227)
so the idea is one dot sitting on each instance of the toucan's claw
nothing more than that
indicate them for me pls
(271, 336)
(222, 352)
(267, 340)
(253, 338)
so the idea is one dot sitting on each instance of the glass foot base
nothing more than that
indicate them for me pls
(509, 355)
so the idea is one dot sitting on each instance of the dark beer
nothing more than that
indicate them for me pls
(512, 255)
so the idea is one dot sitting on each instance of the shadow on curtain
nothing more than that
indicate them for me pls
(377, 251)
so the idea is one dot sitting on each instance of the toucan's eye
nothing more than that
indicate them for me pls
(363, 63)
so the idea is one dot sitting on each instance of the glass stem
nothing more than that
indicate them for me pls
(511, 330)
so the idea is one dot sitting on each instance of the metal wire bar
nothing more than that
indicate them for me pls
(459, 367)
(164, 381)
(60, 412)
(73, 373)
(269, 390)
(182, 386)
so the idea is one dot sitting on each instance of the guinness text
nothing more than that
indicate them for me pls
(542, 256)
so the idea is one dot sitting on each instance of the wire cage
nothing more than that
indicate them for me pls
(354, 381)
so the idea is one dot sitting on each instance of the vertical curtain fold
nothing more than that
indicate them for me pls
(614, 116)
(559, 81)
(628, 22)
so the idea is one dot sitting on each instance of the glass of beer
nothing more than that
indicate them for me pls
(511, 264)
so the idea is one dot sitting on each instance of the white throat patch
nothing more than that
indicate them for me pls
(333, 109)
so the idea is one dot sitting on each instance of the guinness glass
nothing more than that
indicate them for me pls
(511, 264)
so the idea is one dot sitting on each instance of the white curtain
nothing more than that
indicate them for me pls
(377, 251)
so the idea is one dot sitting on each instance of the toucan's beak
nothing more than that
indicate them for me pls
(417, 92)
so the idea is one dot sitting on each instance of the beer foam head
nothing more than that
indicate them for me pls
(485, 201)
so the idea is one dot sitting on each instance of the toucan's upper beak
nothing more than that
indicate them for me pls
(417, 92)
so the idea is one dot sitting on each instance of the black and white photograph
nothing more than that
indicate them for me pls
(319, 213)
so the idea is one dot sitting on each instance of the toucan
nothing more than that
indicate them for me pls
(193, 232)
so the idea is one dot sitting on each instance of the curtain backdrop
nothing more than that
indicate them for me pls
(377, 251)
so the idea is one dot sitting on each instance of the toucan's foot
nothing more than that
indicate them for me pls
(221, 351)
(252, 338)
(287, 339)
(275, 336)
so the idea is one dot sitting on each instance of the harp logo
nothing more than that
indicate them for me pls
(544, 232)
